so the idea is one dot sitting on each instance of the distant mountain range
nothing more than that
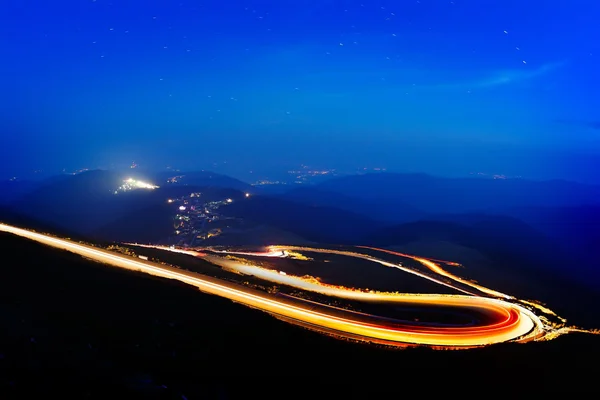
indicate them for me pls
(86, 202)
(458, 195)
(198, 179)
(509, 244)
(316, 223)
(538, 226)
(14, 190)
(11, 190)
(384, 210)
(576, 226)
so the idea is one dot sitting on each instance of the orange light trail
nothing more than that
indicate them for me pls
(440, 271)
(510, 322)
(550, 330)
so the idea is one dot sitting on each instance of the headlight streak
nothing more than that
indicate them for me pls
(512, 322)
(544, 329)
(442, 272)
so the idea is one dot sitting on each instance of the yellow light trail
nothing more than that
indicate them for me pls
(551, 330)
(510, 322)
(440, 271)
(373, 259)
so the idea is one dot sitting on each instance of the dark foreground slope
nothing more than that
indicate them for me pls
(68, 324)
(10, 217)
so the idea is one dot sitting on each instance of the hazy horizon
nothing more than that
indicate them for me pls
(282, 172)
(444, 88)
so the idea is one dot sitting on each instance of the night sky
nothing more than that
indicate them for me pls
(444, 87)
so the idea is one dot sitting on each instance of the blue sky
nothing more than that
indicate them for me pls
(445, 87)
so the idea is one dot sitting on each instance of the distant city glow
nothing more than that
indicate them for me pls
(133, 184)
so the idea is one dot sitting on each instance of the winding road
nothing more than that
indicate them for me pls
(505, 320)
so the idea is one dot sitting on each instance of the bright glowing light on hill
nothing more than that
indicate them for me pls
(132, 184)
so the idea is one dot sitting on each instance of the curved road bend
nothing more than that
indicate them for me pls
(511, 321)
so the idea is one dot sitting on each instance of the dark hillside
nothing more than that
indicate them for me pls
(314, 223)
(71, 326)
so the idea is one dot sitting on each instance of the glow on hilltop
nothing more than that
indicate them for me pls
(133, 184)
